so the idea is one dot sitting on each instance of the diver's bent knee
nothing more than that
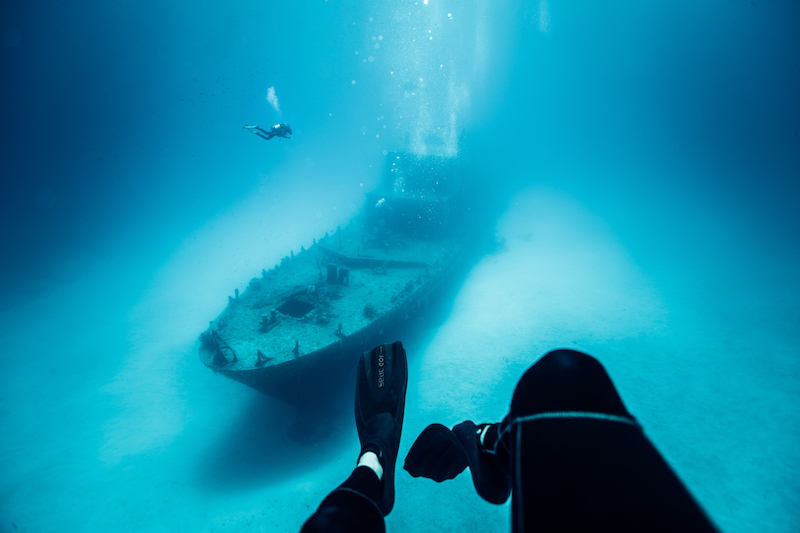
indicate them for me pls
(566, 380)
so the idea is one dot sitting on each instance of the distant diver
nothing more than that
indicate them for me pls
(278, 130)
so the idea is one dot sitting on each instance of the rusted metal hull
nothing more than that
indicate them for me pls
(322, 370)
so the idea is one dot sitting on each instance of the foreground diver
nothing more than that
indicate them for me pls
(568, 452)
(282, 130)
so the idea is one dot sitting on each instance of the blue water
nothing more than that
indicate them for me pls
(641, 163)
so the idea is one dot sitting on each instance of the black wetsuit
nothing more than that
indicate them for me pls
(578, 461)
(278, 130)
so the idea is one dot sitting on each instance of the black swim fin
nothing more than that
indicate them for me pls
(440, 454)
(381, 381)
(436, 455)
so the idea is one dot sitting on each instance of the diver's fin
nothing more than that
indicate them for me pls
(489, 475)
(436, 455)
(441, 454)
(381, 381)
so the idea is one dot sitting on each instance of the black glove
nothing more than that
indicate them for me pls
(440, 454)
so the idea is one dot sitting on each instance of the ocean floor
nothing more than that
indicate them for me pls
(111, 423)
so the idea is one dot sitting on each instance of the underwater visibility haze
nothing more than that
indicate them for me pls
(635, 165)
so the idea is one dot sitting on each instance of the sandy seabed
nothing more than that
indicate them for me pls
(110, 422)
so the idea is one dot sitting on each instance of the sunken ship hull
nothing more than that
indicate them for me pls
(300, 327)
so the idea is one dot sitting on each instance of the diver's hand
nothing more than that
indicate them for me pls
(437, 454)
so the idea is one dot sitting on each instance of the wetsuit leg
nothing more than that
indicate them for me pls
(580, 462)
(351, 508)
(359, 504)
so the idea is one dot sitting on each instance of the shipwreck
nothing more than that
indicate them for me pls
(303, 322)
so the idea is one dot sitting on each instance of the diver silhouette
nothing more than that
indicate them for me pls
(568, 453)
(282, 130)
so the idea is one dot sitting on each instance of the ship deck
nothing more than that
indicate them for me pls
(309, 312)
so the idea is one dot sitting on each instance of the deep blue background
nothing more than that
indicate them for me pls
(121, 115)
